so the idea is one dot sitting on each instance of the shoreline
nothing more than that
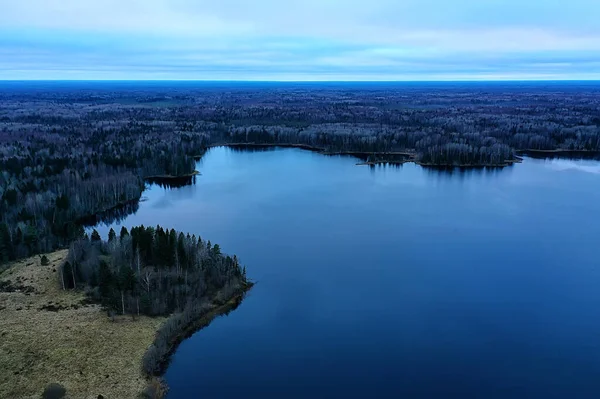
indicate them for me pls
(442, 166)
(410, 156)
(168, 177)
(218, 309)
(71, 341)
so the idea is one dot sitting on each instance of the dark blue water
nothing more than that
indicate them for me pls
(394, 282)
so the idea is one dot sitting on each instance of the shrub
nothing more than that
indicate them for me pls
(54, 391)
(155, 389)
(45, 261)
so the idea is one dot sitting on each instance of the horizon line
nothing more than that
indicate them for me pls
(309, 81)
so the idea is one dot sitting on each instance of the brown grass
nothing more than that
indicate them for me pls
(77, 346)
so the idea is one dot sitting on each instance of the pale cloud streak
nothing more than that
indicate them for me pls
(326, 39)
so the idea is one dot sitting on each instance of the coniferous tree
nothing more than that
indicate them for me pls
(124, 233)
(96, 236)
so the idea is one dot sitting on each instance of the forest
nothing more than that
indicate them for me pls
(72, 154)
(149, 270)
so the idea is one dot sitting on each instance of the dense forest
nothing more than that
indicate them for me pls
(74, 153)
(149, 270)
(51, 185)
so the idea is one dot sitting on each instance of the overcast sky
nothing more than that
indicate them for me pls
(300, 39)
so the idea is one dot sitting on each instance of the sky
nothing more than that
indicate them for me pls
(300, 40)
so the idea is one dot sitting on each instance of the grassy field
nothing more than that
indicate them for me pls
(48, 335)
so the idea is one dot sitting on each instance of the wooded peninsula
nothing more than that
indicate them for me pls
(154, 286)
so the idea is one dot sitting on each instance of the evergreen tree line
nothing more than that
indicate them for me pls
(149, 270)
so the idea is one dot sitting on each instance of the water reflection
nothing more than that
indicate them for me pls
(573, 155)
(569, 164)
(466, 173)
(172, 182)
(111, 216)
(252, 148)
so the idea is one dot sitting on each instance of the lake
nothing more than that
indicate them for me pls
(392, 281)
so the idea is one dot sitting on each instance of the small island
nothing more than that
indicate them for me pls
(103, 317)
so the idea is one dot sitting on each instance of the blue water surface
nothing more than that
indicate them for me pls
(393, 282)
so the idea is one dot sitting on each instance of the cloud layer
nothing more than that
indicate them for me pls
(300, 39)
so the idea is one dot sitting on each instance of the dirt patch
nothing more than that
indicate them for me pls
(53, 308)
(9, 286)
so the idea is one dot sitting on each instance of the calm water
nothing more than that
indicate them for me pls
(394, 282)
